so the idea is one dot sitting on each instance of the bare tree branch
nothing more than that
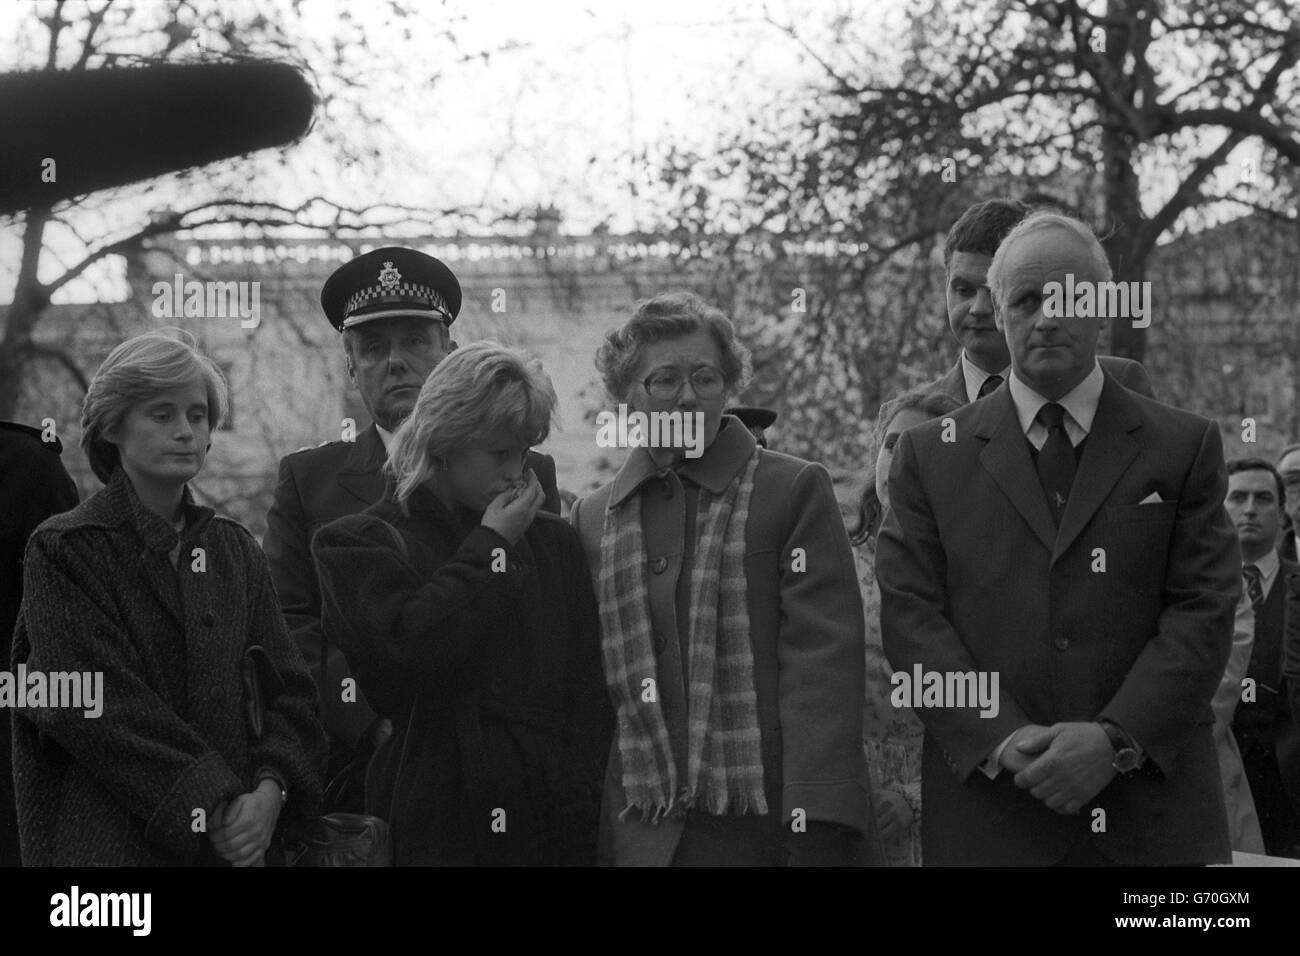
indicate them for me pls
(95, 18)
(62, 357)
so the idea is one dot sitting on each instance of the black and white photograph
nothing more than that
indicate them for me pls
(732, 433)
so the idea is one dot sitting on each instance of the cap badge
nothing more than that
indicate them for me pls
(389, 277)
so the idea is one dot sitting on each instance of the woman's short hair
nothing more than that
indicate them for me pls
(669, 316)
(480, 388)
(135, 371)
(932, 405)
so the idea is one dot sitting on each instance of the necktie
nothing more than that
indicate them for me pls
(1055, 460)
(990, 385)
(1254, 585)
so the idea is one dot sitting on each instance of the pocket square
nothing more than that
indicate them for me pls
(1152, 499)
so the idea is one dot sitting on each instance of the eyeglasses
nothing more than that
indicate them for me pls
(665, 384)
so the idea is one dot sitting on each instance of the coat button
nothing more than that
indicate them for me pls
(660, 643)
(660, 565)
(209, 618)
(1061, 643)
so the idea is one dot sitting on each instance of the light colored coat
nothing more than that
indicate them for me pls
(807, 642)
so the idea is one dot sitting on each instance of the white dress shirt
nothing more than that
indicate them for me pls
(976, 377)
(1268, 567)
(1080, 405)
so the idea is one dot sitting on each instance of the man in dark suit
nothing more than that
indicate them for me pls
(984, 360)
(33, 486)
(1264, 724)
(393, 308)
(1066, 538)
(1288, 467)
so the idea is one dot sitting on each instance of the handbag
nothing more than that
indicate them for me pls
(336, 839)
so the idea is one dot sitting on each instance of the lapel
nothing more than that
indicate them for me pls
(1006, 459)
(954, 383)
(361, 475)
(159, 538)
(1109, 451)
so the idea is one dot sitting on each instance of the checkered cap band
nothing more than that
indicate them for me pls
(404, 293)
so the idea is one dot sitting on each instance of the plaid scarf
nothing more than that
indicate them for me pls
(724, 760)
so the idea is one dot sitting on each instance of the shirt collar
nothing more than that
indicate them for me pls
(713, 470)
(975, 376)
(1268, 566)
(385, 436)
(1081, 401)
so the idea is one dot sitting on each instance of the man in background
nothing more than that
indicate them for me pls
(1264, 724)
(984, 361)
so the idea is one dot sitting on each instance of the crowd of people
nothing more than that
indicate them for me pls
(700, 664)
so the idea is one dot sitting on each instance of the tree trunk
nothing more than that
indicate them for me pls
(30, 301)
(1122, 203)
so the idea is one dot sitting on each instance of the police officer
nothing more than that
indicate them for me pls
(393, 308)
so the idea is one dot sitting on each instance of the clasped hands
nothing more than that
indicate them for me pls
(1064, 766)
(240, 831)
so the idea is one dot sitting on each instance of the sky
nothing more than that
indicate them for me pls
(567, 93)
(569, 90)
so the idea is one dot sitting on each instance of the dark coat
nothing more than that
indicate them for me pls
(1265, 727)
(492, 678)
(33, 486)
(317, 486)
(806, 634)
(975, 577)
(100, 594)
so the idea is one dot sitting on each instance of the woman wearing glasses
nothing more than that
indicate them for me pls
(469, 619)
(732, 623)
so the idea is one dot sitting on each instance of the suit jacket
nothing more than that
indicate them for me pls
(1132, 375)
(1243, 822)
(317, 486)
(1266, 727)
(806, 631)
(1125, 613)
(1289, 749)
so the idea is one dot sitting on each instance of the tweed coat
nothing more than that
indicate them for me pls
(101, 595)
(486, 657)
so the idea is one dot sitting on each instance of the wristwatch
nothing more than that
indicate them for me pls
(275, 779)
(1127, 757)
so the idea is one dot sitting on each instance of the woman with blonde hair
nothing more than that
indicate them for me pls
(469, 619)
(164, 599)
